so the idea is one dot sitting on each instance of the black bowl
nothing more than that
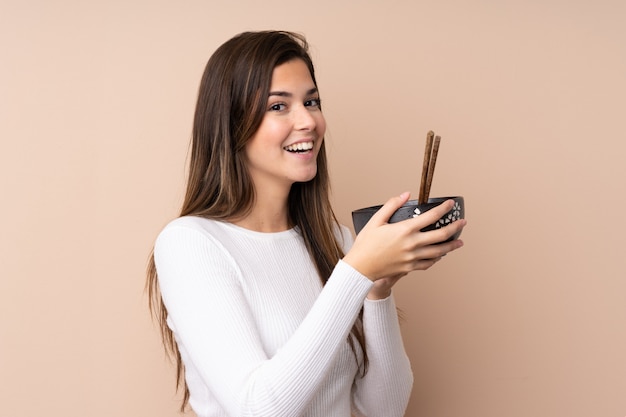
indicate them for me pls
(411, 209)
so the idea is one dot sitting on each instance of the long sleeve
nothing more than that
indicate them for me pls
(386, 388)
(220, 336)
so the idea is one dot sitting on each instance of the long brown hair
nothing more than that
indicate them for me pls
(231, 104)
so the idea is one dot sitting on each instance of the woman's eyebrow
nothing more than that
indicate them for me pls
(287, 94)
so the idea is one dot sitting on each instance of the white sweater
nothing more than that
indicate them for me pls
(260, 336)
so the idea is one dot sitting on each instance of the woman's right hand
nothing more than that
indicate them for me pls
(385, 249)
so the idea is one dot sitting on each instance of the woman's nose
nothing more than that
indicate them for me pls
(303, 119)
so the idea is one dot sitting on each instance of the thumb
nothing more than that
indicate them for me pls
(394, 203)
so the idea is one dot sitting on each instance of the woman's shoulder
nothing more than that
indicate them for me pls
(199, 224)
(191, 227)
(188, 233)
(193, 222)
(192, 244)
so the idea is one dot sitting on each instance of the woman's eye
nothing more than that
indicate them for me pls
(277, 107)
(313, 102)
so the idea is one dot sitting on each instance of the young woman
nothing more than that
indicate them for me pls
(266, 303)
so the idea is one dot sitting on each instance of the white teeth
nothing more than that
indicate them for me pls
(302, 146)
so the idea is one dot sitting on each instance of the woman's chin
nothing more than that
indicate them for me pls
(306, 176)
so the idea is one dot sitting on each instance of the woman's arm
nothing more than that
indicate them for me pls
(386, 388)
(217, 332)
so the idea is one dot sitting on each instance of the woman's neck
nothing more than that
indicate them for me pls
(269, 214)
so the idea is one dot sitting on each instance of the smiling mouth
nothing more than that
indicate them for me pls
(301, 147)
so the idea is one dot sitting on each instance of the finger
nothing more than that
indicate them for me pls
(396, 277)
(442, 234)
(424, 264)
(394, 203)
(437, 251)
(431, 216)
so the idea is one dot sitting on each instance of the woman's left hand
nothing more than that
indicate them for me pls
(382, 287)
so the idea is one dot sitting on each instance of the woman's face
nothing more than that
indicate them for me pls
(285, 147)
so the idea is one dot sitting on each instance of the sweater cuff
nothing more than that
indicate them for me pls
(351, 279)
(381, 316)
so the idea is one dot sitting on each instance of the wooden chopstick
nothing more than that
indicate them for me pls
(428, 168)
(431, 167)
(427, 151)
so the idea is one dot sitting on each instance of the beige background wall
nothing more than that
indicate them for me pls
(529, 319)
